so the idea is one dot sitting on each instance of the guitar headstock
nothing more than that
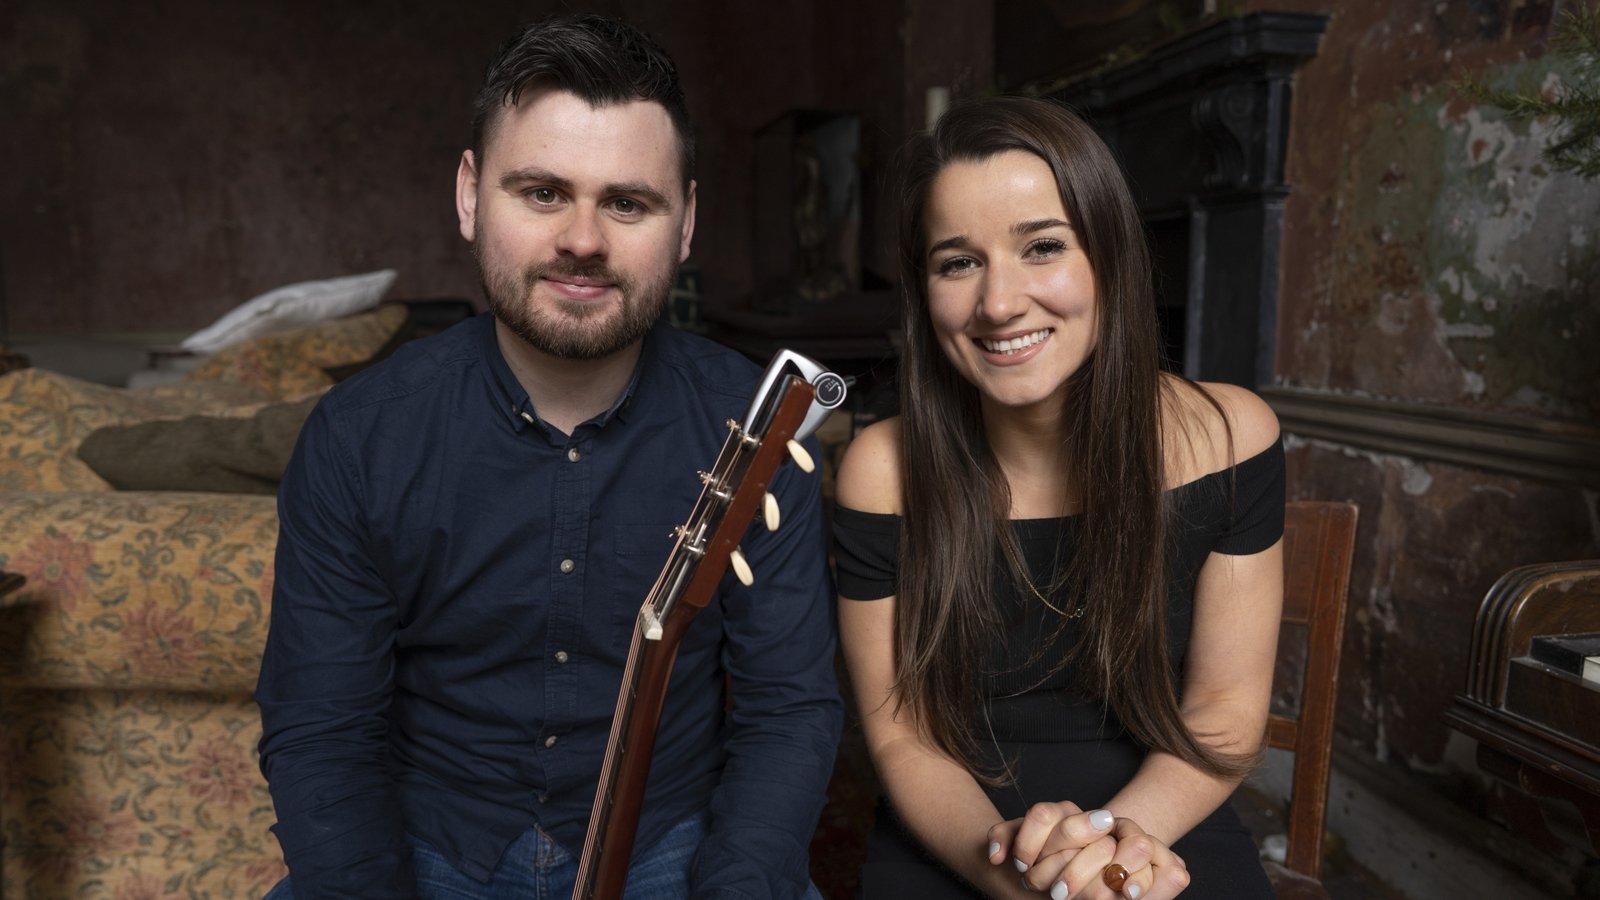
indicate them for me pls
(829, 391)
(795, 395)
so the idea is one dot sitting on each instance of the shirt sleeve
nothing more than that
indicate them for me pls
(1257, 492)
(866, 549)
(325, 684)
(785, 712)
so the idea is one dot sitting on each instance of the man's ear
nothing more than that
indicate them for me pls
(467, 195)
(688, 222)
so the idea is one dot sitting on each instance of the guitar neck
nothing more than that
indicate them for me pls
(602, 869)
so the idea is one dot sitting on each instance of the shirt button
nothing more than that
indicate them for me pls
(573, 455)
(561, 656)
(550, 741)
(567, 566)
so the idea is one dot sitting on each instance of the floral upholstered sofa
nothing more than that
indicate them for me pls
(127, 730)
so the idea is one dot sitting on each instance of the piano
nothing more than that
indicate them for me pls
(1537, 725)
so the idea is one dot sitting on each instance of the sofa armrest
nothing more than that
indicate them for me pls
(136, 590)
(44, 416)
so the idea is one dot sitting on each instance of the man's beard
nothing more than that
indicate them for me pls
(573, 329)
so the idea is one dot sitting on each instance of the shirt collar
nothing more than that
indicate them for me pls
(518, 406)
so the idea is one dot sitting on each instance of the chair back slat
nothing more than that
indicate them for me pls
(1318, 543)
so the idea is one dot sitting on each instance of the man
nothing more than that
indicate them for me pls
(469, 528)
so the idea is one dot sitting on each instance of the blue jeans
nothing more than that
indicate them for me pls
(535, 867)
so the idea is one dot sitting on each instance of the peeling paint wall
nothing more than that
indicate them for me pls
(1431, 254)
(1431, 257)
(1464, 263)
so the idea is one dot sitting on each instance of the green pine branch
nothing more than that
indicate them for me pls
(1576, 108)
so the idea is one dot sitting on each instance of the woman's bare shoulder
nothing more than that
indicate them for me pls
(1211, 426)
(869, 475)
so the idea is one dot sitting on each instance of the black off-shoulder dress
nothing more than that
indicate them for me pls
(1058, 744)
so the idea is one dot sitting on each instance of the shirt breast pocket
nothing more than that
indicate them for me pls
(639, 552)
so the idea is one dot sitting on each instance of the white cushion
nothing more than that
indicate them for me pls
(290, 306)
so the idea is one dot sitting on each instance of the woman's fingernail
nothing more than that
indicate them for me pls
(1058, 891)
(1134, 891)
(994, 847)
(1101, 819)
(1021, 866)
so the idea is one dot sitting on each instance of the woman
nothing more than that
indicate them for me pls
(1059, 569)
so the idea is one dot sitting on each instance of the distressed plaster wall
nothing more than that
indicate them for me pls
(160, 163)
(163, 162)
(1430, 257)
(1431, 254)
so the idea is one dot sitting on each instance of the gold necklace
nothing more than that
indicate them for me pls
(1076, 613)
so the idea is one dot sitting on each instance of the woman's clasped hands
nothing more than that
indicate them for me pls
(1063, 850)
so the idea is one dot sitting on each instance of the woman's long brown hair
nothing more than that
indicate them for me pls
(957, 502)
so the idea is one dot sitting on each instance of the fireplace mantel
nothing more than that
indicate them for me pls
(1201, 125)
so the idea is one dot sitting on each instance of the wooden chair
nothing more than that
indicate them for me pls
(1318, 542)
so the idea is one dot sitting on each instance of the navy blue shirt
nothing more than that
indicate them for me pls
(456, 586)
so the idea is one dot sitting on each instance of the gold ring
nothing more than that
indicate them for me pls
(1115, 876)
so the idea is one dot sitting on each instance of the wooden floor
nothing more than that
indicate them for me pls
(1344, 877)
(1388, 842)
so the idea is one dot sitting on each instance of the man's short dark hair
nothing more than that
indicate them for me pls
(601, 60)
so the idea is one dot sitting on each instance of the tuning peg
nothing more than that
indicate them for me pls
(769, 511)
(801, 457)
(741, 568)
